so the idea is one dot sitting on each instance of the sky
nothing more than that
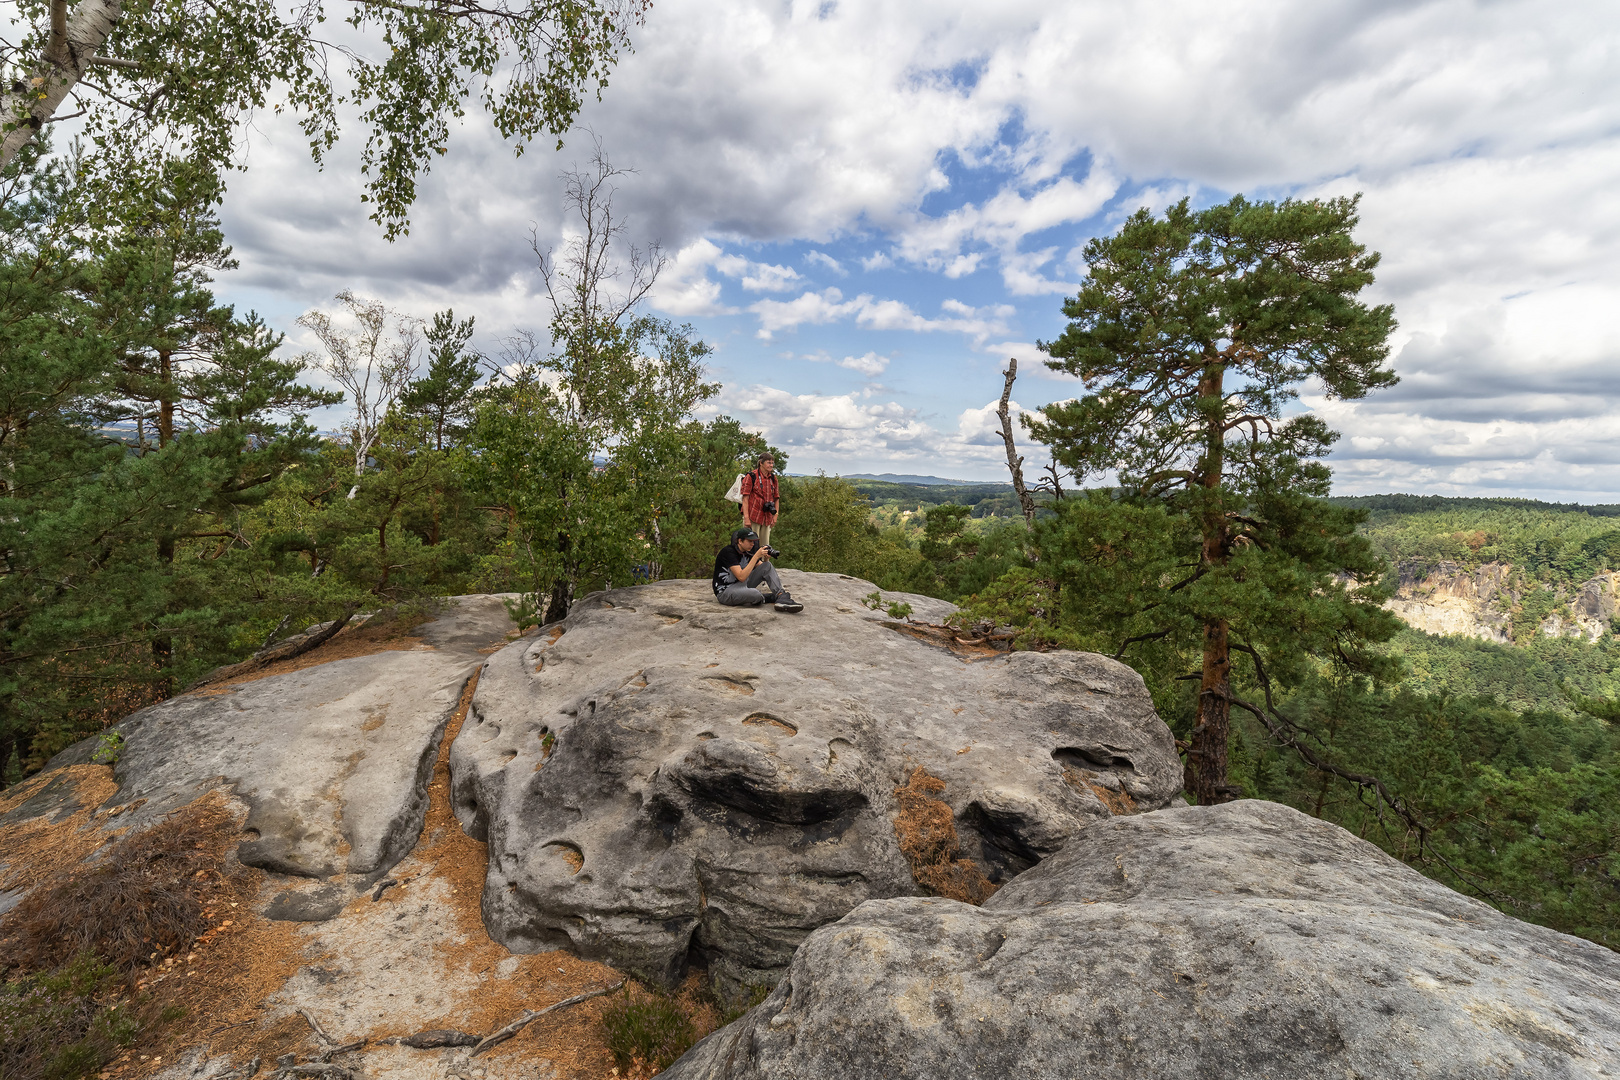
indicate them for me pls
(869, 207)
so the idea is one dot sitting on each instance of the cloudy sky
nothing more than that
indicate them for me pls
(871, 206)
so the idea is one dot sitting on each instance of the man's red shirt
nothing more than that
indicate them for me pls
(758, 489)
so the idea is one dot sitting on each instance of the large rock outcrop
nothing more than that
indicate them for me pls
(662, 779)
(332, 761)
(1237, 941)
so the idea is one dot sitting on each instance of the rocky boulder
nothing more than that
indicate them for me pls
(332, 761)
(1236, 941)
(664, 780)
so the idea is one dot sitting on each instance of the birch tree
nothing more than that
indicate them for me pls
(374, 363)
(157, 79)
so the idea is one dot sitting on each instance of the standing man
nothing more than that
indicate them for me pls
(761, 499)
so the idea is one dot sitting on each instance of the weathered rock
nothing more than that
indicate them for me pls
(662, 779)
(332, 761)
(439, 1037)
(1240, 941)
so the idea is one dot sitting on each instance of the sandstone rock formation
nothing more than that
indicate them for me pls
(1237, 941)
(1450, 600)
(662, 779)
(332, 761)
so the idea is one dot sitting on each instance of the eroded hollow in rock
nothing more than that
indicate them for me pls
(570, 853)
(760, 719)
(1091, 757)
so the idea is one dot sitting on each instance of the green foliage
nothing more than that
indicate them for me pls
(53, 1025)
(825, 527)
(1521, 806)
(646, 1027)
(1527, 677)
(893, 608)
(109, 747)
(965, 558)
(1192, 334)
(202, 67)
(985, 499)
(1555, 545)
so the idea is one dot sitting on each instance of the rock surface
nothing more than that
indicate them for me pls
(1240, 941)
(1450, 600)
(332, 761)
(662, 779)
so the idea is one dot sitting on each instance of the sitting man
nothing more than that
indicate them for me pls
(741, 567)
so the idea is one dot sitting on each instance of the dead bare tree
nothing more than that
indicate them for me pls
(594, 284)
(374, 364)
(1015, 461)
(1053, 483)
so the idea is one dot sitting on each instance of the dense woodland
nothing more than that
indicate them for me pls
(171, 508)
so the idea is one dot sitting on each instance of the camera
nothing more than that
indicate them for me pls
(772, 552)
(768, 507)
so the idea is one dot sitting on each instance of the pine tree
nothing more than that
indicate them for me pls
(1192, 336)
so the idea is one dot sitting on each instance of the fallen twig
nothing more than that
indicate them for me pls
(381, 886)
(528, 1017)
(358, 1044)
(319, 1034)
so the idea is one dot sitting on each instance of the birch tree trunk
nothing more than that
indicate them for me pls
(69, 52)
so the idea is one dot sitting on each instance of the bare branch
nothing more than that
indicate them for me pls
(1015, 462)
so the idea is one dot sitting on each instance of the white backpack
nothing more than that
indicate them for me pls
(734, 492)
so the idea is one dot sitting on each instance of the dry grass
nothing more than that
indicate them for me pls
(375, 635)
(35, 850)
(145, 897)
(1118, 802)
(927, 833)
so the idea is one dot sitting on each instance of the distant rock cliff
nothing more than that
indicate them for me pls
(1448, 599)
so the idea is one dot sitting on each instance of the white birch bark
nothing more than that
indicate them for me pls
(68, 54)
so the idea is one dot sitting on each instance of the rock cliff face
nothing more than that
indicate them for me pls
(662, 779)
(1479, 604)
(1237, 941)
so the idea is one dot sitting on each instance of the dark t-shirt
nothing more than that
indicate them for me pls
(729, 556)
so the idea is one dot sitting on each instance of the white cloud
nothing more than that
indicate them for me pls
(757, 277)
(1483, 135)
(871, 364)
(851, 432)
(826, 262)
(829, 305)
(815, 308)
(1002, 223)
(685, 288)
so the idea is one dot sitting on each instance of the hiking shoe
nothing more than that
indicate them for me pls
(784, 602)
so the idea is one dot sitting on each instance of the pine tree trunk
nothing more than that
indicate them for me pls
(163, 645)
(166, 402)
(1204, 774)
(562, 597)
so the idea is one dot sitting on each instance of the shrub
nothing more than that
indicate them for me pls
(145, 895)
(52, 1027)
(647, 1028)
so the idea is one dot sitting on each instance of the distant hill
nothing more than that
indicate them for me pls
(925, 481)
(1430, 504)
